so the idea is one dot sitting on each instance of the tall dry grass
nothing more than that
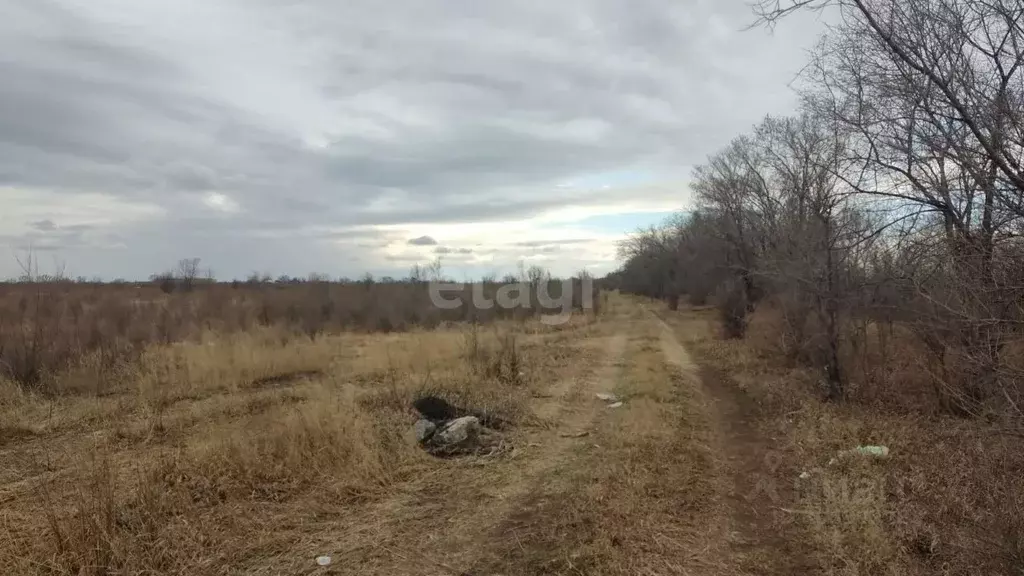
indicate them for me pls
(189, 508)
(949, 498)
(209, 454)
(47, 328)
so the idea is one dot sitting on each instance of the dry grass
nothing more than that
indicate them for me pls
(947, 501)
(47, 328)
(209, 455)
(252, 451)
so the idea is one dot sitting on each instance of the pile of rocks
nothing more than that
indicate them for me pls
(444, 430)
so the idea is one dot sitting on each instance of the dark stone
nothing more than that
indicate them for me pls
(439, 410)
(435, 409)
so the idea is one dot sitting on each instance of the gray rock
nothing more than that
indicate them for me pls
(460, 432)
(424, 429)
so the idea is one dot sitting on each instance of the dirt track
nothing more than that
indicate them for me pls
(759, 524)
(669, 483)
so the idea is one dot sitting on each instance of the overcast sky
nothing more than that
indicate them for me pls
(291, 136)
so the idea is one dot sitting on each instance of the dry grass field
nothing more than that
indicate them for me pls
(215, 455)
(256, 451)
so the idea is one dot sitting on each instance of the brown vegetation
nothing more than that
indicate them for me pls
(186, 426)
(209, 456)
(947, 500)
(51, 327)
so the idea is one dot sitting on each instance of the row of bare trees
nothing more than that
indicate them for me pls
(894, 199)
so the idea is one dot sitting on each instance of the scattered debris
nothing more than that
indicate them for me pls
(876, 451)
(612, 399)
(442, 434)
(323, 560)
(805, 475)
(575, 434)
(424, 429)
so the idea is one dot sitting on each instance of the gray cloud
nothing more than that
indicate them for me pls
(422, 241)
(448, 250)
(246, 124)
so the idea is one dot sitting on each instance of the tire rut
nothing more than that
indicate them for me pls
(758, 532)
(577, 411)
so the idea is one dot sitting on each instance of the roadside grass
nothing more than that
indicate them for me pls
(948, 500)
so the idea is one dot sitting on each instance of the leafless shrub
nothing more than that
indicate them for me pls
(52, 326)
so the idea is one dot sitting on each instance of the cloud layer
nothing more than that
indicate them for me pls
(338, 136)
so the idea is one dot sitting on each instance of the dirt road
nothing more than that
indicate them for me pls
(670, 482)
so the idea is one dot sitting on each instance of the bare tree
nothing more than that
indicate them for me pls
(894, 196)
(187, 273)
(930, 92)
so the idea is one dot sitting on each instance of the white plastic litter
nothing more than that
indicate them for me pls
(615, 405)
(323, 560)
(876, 451)
(805, 475)
(605, 396)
